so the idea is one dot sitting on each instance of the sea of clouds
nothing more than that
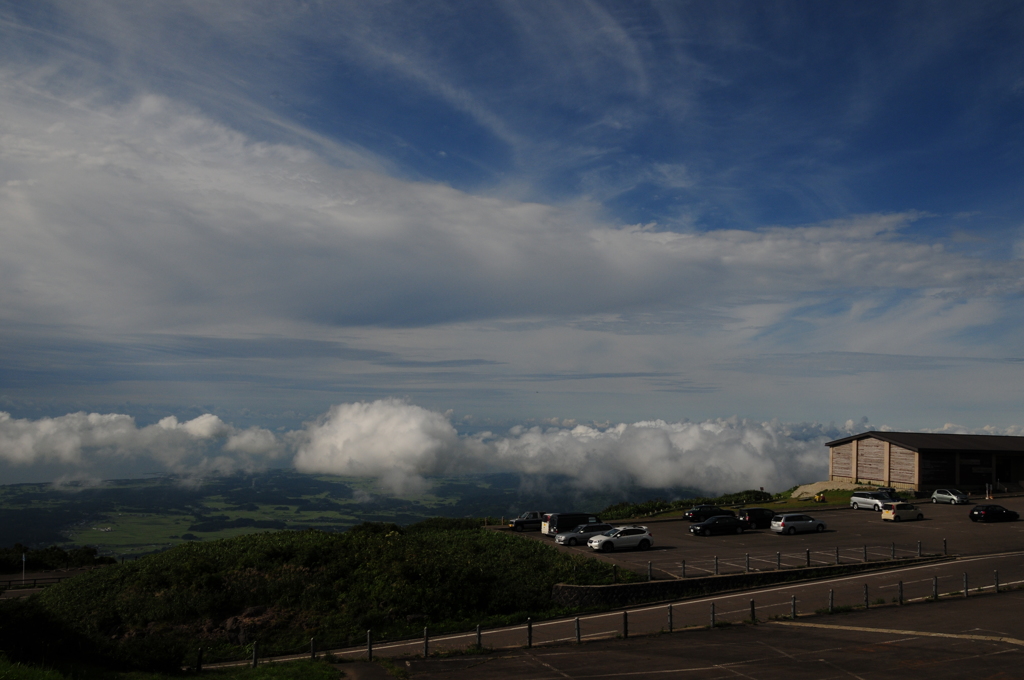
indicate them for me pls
(402, 445)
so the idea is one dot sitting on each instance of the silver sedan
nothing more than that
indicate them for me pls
(581, 533)
(951, 496)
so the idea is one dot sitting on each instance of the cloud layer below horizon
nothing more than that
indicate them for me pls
(402, 445)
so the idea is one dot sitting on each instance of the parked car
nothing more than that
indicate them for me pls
(757, 518)
(699, 513)
(992, 513)
(871, 500)
(897, 512)
(528, 521)
(557, 522)
(622, 537)
(723, 524)
(581, 533)
(792, 523)
(951, 496)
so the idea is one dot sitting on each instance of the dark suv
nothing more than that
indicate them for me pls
(699, 513)
(757, 518)
(528, 521)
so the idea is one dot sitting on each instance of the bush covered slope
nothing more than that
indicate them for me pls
(284, 587)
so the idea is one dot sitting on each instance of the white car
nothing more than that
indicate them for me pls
(896, 512)
(622, 537)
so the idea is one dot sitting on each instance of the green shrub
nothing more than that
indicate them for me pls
(288, 586)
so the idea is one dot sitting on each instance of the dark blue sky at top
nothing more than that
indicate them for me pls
(460, 232)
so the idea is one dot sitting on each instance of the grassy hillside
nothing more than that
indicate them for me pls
(283, 587)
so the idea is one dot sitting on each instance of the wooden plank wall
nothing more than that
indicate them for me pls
(842, 460)
(871, 460)
(901, 465)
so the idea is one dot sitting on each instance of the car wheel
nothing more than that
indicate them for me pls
(644, 544)
(855, 506)
(934, 501)
(974, 519)
(518, 527)
(896, 518)
(791, 531)
(920, 517)
(739, 530)
(607, 546)
(705, 532)
(571, 541)
(821, 527)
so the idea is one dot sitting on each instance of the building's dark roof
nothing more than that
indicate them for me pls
(921, 441)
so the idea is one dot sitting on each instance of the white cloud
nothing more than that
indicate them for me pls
(389, 439)
(80, 441)
(401, 445)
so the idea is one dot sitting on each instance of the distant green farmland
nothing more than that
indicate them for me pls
(141, 516)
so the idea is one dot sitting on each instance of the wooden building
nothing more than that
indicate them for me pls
(923, 461)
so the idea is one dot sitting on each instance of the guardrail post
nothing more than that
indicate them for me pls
(778, 561)
(529, 633)
(899, 592)
(255, 653)
(426, 643)
(808, 557)
(369, 645)
(716, 565)
(577, 630)
(312, 648)
(935, 587)
(919, 548)
(712, 615)
(943, 546)
(753, 613)
(965, 584)
(793, 606)
(831, 600)
(837, 554)
(997, 580)
(648, 570)
(479, 638)
(199, 660)
(747, 555)
(625, 624)
(670, 618)
(867, 603)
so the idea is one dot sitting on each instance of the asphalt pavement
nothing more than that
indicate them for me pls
(981, 638)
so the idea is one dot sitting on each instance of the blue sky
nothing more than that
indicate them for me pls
(521, 214)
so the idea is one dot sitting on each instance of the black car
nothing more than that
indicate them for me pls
(699, 513)
(722, 524)
(757, 518)
(992, 513)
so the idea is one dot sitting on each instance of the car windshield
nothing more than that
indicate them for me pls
(580, 529)
(610, 532)
(954, 492)
(526, 515)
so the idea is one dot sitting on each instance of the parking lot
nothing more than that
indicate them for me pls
(849, 531)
